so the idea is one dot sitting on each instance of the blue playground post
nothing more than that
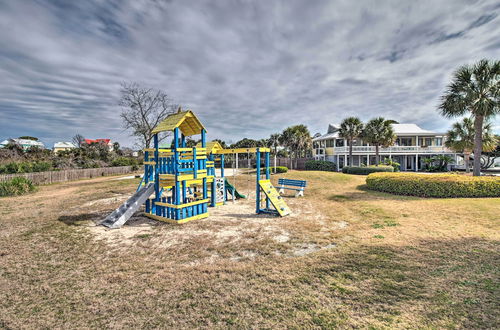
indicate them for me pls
(156, 209)
(267, 176)
(257, 186)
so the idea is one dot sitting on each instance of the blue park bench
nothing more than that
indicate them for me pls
(297, 185)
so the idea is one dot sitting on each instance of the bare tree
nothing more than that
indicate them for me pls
(143, 109)
(78, 140)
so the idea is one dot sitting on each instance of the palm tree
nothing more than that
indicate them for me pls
(350, 129)
(274, 142)
(476, 90)
(287, 140)
(461, 138)
(380, 133)
(297, 139)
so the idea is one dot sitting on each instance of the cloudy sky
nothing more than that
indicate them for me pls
(247, 68)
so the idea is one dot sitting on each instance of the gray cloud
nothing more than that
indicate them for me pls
(247, 68)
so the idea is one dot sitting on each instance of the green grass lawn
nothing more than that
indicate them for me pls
(347, 257)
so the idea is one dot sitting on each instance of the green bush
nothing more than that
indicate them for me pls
(25, 167)
(124, 161)
(395, 165)
(41, 166)
(438, 185)
(15, 187)
(279, 169)
(365, 170)
(320, 165)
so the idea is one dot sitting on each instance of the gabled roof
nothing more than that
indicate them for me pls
(64, 145)
(211, 146)
(399, 129)
(327, 136)
(410, 129)
(186, 121)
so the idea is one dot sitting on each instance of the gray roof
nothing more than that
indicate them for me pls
(399, 129)
(64, 145)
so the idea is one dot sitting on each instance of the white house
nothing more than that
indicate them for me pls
(24, 143)
(413, 144)
(62, 146)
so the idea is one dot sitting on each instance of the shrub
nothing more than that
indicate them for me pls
(279, 169)
(41, 166)
(395, 165)
(320, 165)
(124, 161)
(11, 168)
(358, 170)
(25, 167)
(438, 185)
(16, 186)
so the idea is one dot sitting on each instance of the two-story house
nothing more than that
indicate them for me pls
(412, 146)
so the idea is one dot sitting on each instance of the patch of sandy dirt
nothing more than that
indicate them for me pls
(118, 198)
(230, 229)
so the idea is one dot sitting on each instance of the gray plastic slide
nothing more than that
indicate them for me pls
(127, 209)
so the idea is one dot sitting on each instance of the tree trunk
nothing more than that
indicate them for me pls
(377, 157)
(350, 152)
(478, 143)
(466, 161)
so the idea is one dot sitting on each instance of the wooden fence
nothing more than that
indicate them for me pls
(299, 164)
(68, 175)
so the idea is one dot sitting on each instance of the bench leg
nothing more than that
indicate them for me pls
(281, 191)
(300, 193)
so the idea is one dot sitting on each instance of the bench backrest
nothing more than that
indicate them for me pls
(290, 182)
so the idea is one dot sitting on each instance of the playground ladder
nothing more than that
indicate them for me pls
(275, 198)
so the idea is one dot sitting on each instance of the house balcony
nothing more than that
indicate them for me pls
(393, 149)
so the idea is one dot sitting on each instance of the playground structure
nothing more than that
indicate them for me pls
(183, 181)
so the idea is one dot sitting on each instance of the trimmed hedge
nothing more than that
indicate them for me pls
(16, 186)
(320, 165)
(279, 169)
(365, 170)
(434, 185)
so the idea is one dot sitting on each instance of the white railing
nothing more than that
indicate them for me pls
(393, 149)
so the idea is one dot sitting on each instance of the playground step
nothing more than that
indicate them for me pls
(277, 201)
(119, 216)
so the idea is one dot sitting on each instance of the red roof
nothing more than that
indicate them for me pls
(105, 141)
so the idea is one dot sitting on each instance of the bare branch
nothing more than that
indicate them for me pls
(143, 109)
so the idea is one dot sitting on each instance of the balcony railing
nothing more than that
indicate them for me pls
(393, 149)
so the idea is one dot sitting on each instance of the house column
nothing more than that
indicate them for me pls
(405, 162)
(416, 162)
(345, 160)
(338, 163)
(368, 160)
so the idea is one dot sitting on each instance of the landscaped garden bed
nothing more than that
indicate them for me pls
(438, 185)
(365, 170)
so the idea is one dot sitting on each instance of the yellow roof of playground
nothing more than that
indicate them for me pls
(211, 146)
(186, 121)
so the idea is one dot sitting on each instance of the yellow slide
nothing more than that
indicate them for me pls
(277, 201)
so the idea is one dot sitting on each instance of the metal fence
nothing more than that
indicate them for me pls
(68, 175)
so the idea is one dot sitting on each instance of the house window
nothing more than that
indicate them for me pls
(339, 143)
(409, 162)
(405, 142)
(439, 141)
